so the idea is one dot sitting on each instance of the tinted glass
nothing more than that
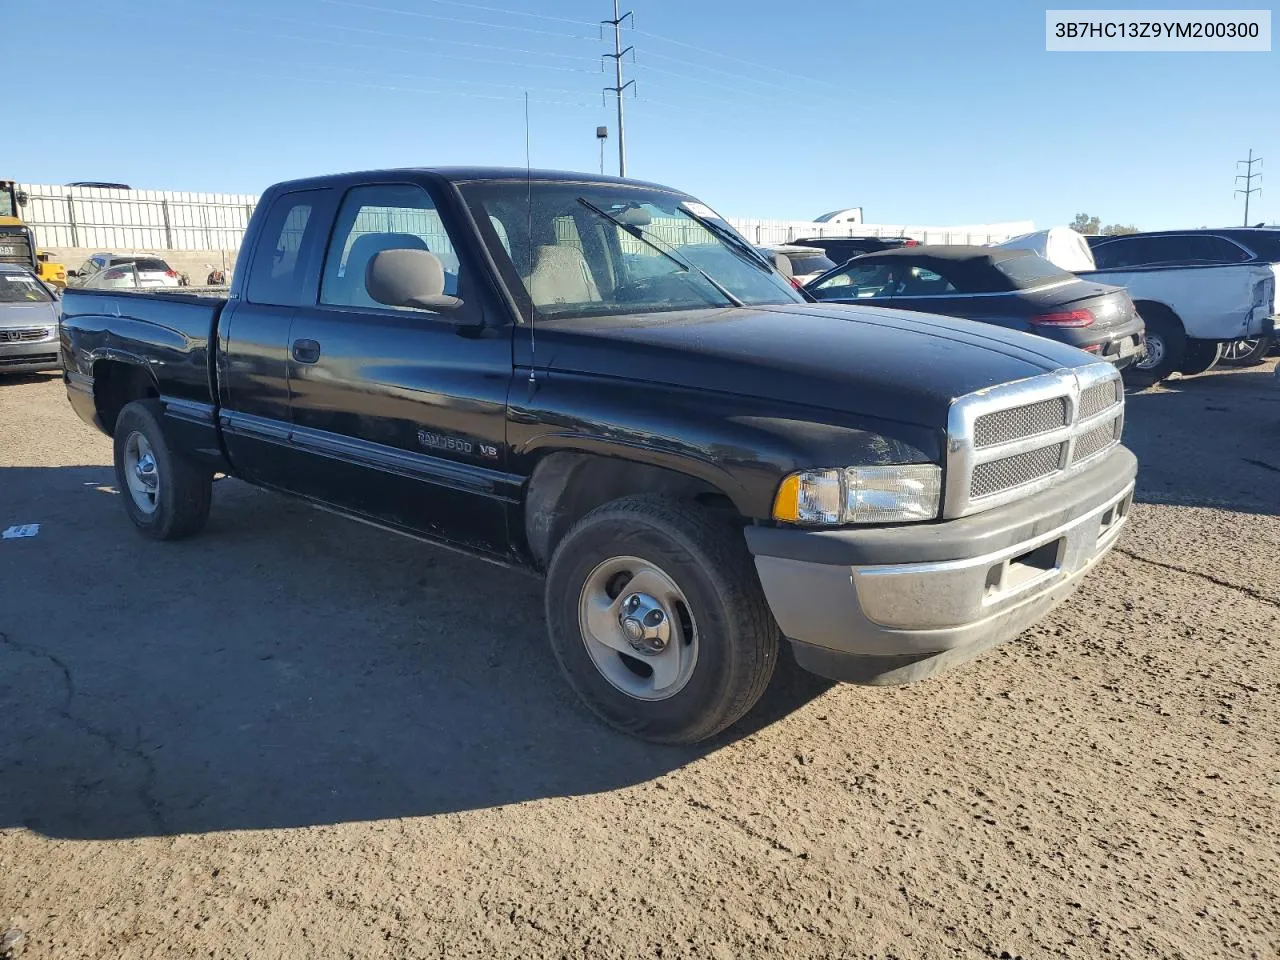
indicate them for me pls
(1211, 249)
(21, 288)
(382, 217)
(276, 274)
(1034, 271)
(151, 265)
(802, 263)
(1266, 244)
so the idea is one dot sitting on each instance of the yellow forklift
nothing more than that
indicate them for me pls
(18, 241)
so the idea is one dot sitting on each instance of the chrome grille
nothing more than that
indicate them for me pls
(1095, 441)
(1095, 399)
(1009, 441)
(1019, 422)
(26, 335)
(1016, 471)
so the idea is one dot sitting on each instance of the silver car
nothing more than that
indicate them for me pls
(124, 271)
(28, 322)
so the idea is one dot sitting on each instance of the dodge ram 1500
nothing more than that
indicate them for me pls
(599, 380)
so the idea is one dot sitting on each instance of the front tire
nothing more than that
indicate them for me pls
(657, 619)
(167, 496)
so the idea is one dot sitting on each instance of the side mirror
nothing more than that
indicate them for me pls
(73, 273)
(409, 278)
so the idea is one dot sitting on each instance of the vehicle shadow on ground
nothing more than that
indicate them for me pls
(285, 668)
(1209, 441)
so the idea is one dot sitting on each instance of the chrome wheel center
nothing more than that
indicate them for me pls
(645, 624)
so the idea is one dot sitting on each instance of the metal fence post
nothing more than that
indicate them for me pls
(71, 219)
(168, 230)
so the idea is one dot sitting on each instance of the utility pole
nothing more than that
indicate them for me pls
(1248, 179)
(617, 55)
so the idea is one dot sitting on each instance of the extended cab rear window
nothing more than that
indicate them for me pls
(1032, 271)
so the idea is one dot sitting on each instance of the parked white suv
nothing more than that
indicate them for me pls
(114, 271)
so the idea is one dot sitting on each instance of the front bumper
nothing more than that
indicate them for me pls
(897, 604)
(30, 355)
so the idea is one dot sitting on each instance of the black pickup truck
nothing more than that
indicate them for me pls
(600, 380)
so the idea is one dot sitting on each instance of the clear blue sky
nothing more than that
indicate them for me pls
(929, 112)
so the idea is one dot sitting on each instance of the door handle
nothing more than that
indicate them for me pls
(306, 351)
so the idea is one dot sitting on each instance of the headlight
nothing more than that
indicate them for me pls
(898, 494)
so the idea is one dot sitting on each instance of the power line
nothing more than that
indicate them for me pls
(381, 86)
(383, 49)
(417, 36)
(436, 16)
(1248, 179)
(717, 53)
(515, 13)
(731, 74)
(710, 83)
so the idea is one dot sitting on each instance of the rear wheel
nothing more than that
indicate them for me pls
(1166, 343)
(167, 497)
(1246, 353)
(657, 619)
(1200, 356)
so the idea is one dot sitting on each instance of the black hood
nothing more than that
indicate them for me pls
(889, 364)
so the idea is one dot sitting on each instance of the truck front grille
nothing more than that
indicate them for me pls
(1095, 399)
(1009, 441)
(1018, 422)
(1096, 440)
(1022, 468)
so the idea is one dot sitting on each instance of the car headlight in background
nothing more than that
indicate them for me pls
(894, 494)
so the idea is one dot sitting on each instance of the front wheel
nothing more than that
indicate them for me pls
(167, 497)
(657, 619)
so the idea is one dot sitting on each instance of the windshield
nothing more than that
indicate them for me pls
(7, 208)
(591, 250)
(22, 288)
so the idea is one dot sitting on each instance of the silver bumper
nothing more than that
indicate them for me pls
(899, 622)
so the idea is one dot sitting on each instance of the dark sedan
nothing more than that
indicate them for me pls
(1010, 288)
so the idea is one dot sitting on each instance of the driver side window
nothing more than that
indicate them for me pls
(858, 282)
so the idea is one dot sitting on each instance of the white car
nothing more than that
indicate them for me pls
(115, 271)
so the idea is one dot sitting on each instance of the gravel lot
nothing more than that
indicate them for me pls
(295, 736)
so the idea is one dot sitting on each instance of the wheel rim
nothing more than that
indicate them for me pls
(1155, 352)
(1240, 349)
(141, 473)
(638, 629)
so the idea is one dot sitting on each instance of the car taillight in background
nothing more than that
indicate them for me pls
(171, 273)
(796, 283)
(1066, 318)
(911, 243)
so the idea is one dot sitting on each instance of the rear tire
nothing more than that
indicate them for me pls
(1246, 353)
(1166, 343)
(722, 643)
(1200, 356)
(167, 496)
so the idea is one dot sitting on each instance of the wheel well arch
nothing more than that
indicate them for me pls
(117, 383)
(1150, 309)
(565, 486)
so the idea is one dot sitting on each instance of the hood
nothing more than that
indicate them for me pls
(28, 315)
(888, 364)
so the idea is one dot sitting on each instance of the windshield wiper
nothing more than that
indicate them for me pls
(681, 262)
(730, 239)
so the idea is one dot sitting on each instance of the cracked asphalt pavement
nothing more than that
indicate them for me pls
(295, 736)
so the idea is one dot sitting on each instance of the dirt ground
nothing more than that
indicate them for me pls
(294, 736)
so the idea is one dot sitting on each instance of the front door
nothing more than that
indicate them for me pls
(401, 410)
